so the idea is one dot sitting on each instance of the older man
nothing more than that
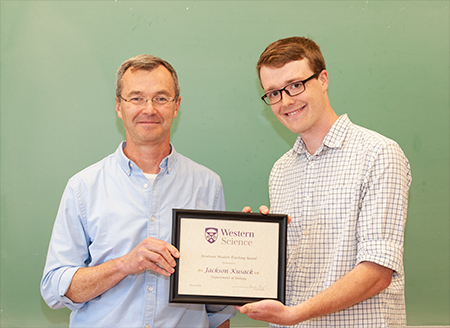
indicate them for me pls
(110, 256)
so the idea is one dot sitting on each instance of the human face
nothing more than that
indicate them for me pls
(304, 113)
(149, 124)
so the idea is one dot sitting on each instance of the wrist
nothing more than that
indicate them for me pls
(120, 266)
(293, 315)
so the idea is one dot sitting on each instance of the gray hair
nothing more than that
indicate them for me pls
(148, 63)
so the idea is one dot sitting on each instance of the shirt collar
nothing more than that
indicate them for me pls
(166, 165)
(334, 138)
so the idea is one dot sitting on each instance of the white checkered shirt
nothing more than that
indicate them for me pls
(348, 204)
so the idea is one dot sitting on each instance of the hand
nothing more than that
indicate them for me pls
(270, 311)
(151, 254)
(263, 209)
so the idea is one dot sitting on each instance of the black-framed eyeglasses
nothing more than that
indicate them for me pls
(141, 102)
(292, 89)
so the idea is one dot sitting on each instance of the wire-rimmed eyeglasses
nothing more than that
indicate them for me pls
(141, 102)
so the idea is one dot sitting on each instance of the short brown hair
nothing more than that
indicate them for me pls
(148, 63)
(284, 51)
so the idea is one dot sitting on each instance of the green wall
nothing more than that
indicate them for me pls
(388, 63)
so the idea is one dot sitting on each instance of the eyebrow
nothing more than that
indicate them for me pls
(141, 93)
(287, 83)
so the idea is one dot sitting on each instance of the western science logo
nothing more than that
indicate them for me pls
(229, 237)
(211, 235)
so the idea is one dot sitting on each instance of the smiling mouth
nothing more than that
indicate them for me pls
(295, 111)
(147, 122)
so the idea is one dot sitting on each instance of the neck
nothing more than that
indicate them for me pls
(149, 156)
(313, 139)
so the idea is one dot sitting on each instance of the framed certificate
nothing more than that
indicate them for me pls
(228, 257)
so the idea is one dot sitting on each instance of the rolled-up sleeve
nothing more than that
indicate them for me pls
(68, 251)
(384, 208)
(217, 314)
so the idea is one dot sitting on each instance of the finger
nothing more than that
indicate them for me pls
(173, 251)
(164, 248)
(263, 209)
(158, 269)
(289, 219)
(160, 252)
(246, 309)
(247, 209)
(157, 262)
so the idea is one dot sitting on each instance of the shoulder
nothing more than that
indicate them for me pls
(285, 159)
(92, 173)
(377, 152)
(370, 141)
(286, 165)
(187, 165)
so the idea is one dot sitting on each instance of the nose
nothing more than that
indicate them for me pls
(286, 99)
(149, 107)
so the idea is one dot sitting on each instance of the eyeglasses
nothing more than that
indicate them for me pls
(141, 102)
(292, 89)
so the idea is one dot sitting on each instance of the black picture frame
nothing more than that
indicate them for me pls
(206, 298)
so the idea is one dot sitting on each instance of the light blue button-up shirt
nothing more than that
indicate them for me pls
(107, 210)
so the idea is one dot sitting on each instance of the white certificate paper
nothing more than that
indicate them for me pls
(228, 258)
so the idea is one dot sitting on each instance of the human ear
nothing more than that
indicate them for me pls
(177, 106)
(323, 78)
(118, 111)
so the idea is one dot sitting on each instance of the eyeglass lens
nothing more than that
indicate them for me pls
(292, 90)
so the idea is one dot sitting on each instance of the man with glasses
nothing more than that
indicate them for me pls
(346, 190)
(110, 256)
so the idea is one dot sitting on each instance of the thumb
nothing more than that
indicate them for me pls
(246, 309)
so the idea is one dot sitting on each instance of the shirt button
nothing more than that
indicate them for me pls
(153, 218)
(146, 185)
(305, 233)
(146, 326)
(150, 289)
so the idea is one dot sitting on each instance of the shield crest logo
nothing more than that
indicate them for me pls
(211, 235)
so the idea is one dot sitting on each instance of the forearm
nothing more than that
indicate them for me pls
(90, 282)
(150, 254)
(364, 281)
